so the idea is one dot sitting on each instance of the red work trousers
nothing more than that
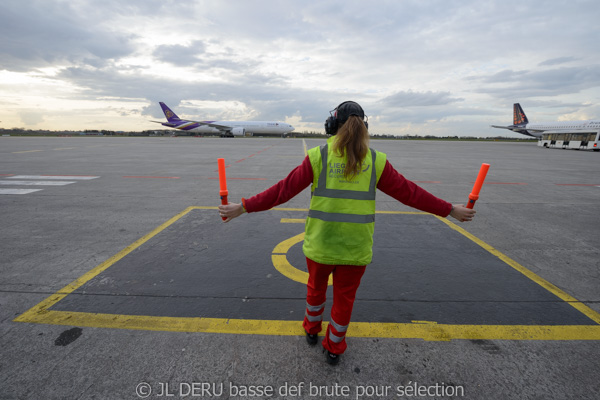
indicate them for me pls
(346, 279)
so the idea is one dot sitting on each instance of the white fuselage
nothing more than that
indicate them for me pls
(250, 127)
(563, 127)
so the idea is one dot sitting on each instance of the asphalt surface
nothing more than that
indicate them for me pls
(118, 279)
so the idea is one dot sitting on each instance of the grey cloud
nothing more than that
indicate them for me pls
(509, 84)
(557, 61)
(41, 33)
(555, 104)
(419, 115)
(502, 76)
(196, 56)
(419, 99)
(181, 55)
(270, 101)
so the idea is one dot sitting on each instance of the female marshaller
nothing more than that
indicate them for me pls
(341, 220)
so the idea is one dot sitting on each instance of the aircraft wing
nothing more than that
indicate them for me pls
(517, 128)
(165, 123)
(224, 128)
(212, 124)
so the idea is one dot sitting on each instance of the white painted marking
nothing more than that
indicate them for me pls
(54, 177)
(36, 183)
(18, 191)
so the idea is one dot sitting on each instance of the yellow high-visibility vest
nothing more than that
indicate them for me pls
(341, 219)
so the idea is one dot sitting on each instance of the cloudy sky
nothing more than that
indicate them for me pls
(417, 67)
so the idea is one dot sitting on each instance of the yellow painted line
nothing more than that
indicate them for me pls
(281, 263)
(403, 212)
(284, 246)
(284, 267)
(172, 324)
(588, 312)
(376, 212)
(292, 221)
(26, 151)
(427, 330)
(441, 332)
(65, 148)
(306, 210)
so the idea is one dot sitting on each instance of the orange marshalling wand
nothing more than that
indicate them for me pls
(474, 196)
(223, 192)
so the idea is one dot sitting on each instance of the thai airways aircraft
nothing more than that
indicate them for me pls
(224, 128)
(521, 125)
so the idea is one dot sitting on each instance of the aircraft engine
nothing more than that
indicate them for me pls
(238, 131)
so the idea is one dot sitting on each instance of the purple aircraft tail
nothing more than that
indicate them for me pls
(171, 116)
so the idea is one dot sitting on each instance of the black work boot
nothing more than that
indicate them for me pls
(312, 339)
(332, 359)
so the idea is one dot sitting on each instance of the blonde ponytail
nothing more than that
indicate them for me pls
(352, 142)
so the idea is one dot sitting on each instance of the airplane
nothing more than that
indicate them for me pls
(521, 125)
(224, 128)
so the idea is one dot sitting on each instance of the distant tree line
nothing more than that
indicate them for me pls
(303, 134)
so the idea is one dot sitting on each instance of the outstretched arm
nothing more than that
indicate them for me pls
(394, 184)
(409, 193)
(299, 179)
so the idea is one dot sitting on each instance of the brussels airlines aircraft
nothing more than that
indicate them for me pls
(225, 128)
(521, 125)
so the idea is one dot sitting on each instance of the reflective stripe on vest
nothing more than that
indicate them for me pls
(335, 217)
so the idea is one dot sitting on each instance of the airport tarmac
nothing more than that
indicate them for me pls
(118, 280)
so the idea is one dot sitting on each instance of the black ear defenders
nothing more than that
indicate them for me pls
(340, 115)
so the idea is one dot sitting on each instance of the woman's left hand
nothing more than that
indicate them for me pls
(231, 211)
(462, 213)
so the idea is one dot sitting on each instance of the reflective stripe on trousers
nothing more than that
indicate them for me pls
(340, 329)
(313, 318)
(314, 309)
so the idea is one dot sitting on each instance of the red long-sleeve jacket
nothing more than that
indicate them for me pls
(391, 183)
